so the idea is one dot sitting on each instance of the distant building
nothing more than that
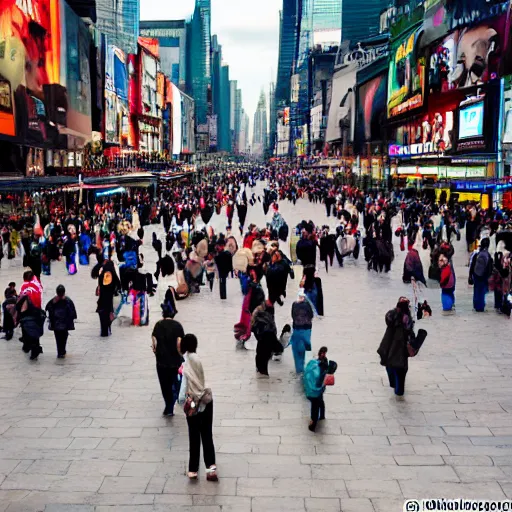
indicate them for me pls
(221, 98)
(259, 136)
(119, 21)
(198, 78)
(361, 20)
(172, 37)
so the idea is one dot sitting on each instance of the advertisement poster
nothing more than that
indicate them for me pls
(429, 135)
(371, 110)
(406, 76)
(45, 87)
(507, 111)
(116, 95)
(468, 57)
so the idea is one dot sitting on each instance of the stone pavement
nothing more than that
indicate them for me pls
(86, 434)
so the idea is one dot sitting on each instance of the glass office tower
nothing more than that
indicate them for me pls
(361, 20)
(119, 21)
(198, 59)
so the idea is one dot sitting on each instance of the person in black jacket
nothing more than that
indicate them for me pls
(306, 249)
(224, 262)
(62, 315)
(32, 326)
(393, 351)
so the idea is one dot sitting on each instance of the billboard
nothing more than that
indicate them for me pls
(45, 86)
(371, 110)
(431, 134)
(116, 96)
(467, 57)
(406, 77)
(176, 120)
(471, 121)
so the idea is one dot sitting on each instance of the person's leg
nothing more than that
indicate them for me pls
(61, 339)
(391, 377)
(206, 425)
(35, 348)
(479, 295)
(400, 381)
(298, 351)
(103, 324)
(166, 378)
(498, 299)
(194, 439)
(321, 415)
(315, 410)
(222, 286)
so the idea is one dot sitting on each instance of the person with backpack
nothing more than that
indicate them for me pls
(62, 315)
(480, 271)
(314, 386)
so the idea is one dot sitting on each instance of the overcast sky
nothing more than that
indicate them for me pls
(248, 32)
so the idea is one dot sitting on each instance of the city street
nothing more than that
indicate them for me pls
(85, 434)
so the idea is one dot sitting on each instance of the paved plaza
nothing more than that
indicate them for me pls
(85, 434)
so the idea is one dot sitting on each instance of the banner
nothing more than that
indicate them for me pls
(406, 78)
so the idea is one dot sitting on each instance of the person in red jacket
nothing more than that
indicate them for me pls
(447, 283)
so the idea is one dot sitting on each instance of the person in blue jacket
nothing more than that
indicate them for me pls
(314, 387)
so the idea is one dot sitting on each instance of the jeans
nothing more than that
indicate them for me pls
(317, 409)
(169, 384)
(448, 298)
(200, 430)
(397, 379)
(61, 338)
(480, 290)
(301, 341)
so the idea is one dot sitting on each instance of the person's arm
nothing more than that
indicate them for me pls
(153, 344)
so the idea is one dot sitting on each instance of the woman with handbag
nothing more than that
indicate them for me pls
(198, 408)
(318, 374)
(393, 350)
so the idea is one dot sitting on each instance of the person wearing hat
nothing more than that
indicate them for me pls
(302, 318)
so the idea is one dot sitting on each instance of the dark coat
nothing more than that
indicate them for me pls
(62, 314)
(306, 251)
(224, 262)
(393, 348)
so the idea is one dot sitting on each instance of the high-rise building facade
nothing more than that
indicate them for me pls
(172, 38)
(238, 121)
(119, 21)
(361, 20)
(259, 136)
(198, 83)
(288, 34)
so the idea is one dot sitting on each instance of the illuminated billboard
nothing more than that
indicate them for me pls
(468, 57)
(406, 78)
(45, 86)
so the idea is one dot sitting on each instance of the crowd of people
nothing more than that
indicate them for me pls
(192, 256)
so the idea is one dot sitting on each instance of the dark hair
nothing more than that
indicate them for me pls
(188, 344)
(61, 291)
(12, 284)
(28, 275)
(485, 243)
(323, 350)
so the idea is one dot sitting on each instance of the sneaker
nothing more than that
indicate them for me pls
(167, 412)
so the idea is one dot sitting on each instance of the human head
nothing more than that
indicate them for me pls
(443, 261)
(12, 284)
(403, 304)
(61, 291)
(322, 353)
(28, 275)
(485, 243)
(188, 344)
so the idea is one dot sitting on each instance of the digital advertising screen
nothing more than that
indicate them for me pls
(471, 121)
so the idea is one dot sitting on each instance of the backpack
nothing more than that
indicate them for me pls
(312, 376)
(483, 264)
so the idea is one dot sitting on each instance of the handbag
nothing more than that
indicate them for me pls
(329, 380)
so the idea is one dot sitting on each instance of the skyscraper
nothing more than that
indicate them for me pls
(272, 136)
(172, 37)
(198, 59)
(360, 20)
(288, 34)
(119, 21)
(259, 136)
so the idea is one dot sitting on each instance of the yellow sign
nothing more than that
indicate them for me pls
(405, 48)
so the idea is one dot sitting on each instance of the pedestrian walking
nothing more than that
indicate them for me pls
(166, 335)
(447, 283)
(480, 270)
(108, 286)
(302, 318)
(62, 315)
(198, 408)
(393, 351)
(314, 386)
